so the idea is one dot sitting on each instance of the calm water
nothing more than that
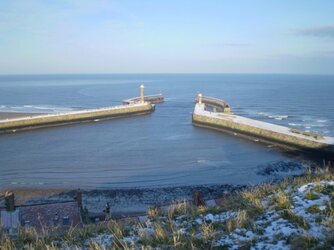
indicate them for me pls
(162, 148)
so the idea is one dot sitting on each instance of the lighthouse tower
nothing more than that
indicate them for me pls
(142, 97)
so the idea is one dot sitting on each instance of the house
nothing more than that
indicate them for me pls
(56, 217)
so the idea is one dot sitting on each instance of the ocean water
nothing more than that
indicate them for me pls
(159, 149)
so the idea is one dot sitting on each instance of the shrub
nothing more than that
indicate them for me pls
(280, 201)
(311, 196)
(302, 242)
(313, 209)
(153, 213)
(295, 219)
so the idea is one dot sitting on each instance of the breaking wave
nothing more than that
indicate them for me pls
(35, 109)
(271, 116)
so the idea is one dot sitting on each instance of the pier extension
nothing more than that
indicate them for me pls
(216, 114)
(46, 120)
(157, 98)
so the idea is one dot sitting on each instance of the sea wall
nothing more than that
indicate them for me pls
(73, 117)
(267, 135)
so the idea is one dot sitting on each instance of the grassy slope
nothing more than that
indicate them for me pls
(296, 213)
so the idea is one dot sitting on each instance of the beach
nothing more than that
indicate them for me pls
(124, 202)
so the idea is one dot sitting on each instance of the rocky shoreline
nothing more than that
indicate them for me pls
(127, 201)
(124, 202)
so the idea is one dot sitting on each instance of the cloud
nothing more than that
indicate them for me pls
(322, 31)
(325, 53)
(230, 44)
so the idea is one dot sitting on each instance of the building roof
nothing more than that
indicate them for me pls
(55, 215)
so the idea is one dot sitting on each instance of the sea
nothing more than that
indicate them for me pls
(162, 148)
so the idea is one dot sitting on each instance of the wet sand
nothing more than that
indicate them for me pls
(9, 115)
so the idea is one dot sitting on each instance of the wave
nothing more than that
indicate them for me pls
(308, 122)
(272, 116)
(262, 113)
(279, 117)
(299, 121)
(307, 125)
(35, 109)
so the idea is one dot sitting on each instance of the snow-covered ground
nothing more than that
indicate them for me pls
(276, 231)
(293, 216)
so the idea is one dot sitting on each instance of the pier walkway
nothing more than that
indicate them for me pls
(228, 122)
(47, 120)
(157, 98)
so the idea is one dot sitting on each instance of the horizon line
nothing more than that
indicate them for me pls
(168, 73)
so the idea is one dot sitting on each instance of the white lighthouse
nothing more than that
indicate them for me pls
(142, 97)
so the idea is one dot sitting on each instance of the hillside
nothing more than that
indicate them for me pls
(296, 213)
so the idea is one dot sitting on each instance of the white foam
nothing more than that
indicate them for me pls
(294, 124)
(316, 125)
(273, 116)
(262, 113)
(307, 125)
(74, 112)
(278, 117)
(27, 108)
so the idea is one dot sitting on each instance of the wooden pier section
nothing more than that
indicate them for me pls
(225, 121)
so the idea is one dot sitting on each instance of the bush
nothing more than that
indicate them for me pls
(295, 219)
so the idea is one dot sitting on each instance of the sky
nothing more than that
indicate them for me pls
(172, 36)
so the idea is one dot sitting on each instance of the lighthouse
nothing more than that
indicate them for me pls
(142, 97)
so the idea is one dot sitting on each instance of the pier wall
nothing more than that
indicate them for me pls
(73, 117)
(216, 104)
(254, 132)
(157, 98)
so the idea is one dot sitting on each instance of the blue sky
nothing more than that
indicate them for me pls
(174, 36)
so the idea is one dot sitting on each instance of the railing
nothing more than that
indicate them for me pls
(215, 103)
(157, 98)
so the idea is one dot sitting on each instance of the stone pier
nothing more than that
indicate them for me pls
(47, 120)
(223, 120)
